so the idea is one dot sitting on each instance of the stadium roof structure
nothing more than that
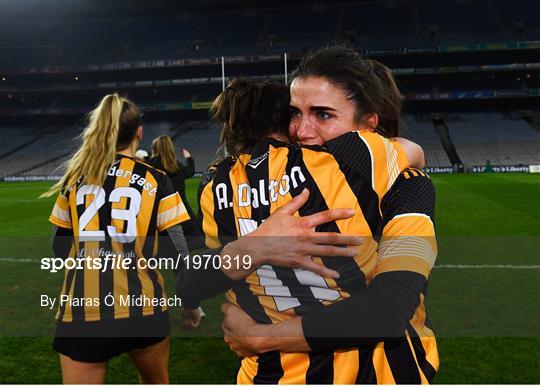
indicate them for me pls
(58, 9)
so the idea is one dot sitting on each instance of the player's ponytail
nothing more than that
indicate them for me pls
(111, 127)
(389, 115)
(229, 109)
(249, 112)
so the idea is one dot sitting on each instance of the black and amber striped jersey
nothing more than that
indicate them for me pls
(246, 191)
(114, 227)
(406, 254)
(355, 170)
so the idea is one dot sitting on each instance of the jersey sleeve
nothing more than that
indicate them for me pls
(208, 221)
(377, 159)
(61, 216)
(171, 209)
(408, 238)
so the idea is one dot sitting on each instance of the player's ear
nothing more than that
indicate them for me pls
(139, 133)
(367, 121)
(371, 121)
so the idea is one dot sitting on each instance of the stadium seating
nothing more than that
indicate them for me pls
(423, 132)
(503, 139)
(51, 143)
(44, 153)
(479, 137)
(292, 29)
(202, 142)
(14, 139)
(153, 130)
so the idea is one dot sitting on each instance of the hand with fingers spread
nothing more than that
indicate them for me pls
(283, 240)
(288, 241)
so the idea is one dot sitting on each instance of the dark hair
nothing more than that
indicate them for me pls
(130, 120)
(368, 83)
(249, 112)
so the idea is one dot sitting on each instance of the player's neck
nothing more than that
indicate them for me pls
(130, 151)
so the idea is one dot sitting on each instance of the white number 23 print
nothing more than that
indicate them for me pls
(129, 214)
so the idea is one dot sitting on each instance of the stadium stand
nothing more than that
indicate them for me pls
(376, 24)
(230, 33)
(202, 141)
(503, 139)
(48, 151)
(14, 139)
(480, 137)
(153, 130)
(395, 31)
(174, 97)
(285, 33)
(51, 143)
(438, 20)
(421, 130)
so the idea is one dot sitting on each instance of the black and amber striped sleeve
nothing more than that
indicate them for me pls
(216, 211)
(406, 255)
(408, 238)
(61, 216)
(171, 209)
(206, 212)
(199, 284)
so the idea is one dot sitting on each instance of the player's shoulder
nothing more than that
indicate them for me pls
(208, 175)
(353, 143)
(149, 166)
(141, 173)
(224, 164)
(412, 192)
(413, 187)
(65, 191)
(356, 137)
(144, 167)
(219, 170)
(412, 179)
(418, 175)
(353, 150)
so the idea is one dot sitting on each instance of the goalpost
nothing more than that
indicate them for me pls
(285, 66)
(223, 73)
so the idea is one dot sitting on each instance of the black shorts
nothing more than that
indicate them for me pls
(102, 340)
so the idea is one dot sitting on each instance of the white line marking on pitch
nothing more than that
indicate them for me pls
(442, 266)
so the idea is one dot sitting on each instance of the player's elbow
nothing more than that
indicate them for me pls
(417, 157)
(415, 153)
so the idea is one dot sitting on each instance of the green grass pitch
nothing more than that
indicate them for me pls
(487, 317)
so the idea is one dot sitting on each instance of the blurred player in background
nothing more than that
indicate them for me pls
(111, 205)
(164, 158)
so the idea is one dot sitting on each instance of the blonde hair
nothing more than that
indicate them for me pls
(163, 147)
(111, 126)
